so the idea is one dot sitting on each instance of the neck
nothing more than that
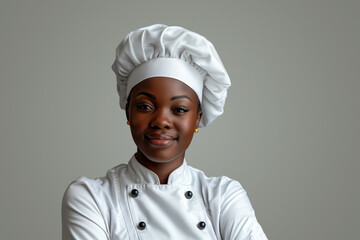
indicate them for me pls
(161, 169)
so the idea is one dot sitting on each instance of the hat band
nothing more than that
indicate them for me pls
(167, 67)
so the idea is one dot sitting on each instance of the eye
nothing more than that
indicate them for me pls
(145, 107)
(180, 109)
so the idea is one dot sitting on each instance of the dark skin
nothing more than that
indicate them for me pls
(163, 115)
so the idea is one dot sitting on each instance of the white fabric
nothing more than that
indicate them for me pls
(103, 208)
(167, 67)
(172, 42)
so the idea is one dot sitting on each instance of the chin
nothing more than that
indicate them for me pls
(162, 159)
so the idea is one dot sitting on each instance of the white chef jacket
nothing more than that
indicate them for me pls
(130, 203)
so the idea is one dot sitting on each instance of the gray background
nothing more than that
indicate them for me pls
(290, 133)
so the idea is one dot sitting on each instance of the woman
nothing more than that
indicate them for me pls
(170, 81)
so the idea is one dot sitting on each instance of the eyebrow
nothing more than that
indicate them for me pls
(153, 97)
(180, 96)
(146, 94)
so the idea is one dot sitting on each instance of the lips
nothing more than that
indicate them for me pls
(160, 140)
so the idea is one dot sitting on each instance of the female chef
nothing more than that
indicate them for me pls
(171, 81)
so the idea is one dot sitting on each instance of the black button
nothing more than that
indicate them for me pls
(188, 194)
(134, 193)
(141, 225)
(201, 225)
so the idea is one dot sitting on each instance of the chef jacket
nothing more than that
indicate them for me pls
(130, 203)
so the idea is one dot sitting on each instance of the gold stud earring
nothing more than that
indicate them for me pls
(196, 130)
(128, 122)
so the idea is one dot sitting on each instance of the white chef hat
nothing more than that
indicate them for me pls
(170, 51)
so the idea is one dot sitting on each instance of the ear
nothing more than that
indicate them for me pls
(127, 111)
(198, 118)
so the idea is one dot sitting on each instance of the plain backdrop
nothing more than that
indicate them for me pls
(290, 132)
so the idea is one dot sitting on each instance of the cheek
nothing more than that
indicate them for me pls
(188, 127)
(136, 119)
(137, 125)
(137, 128)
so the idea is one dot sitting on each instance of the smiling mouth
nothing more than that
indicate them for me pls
(160, 140)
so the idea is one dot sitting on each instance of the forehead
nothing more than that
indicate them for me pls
(164, 87)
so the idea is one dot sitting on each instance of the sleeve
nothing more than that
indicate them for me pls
(81, 216)
(237, 217)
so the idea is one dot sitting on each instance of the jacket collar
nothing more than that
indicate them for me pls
(140, 174)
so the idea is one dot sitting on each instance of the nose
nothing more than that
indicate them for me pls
(161, 119)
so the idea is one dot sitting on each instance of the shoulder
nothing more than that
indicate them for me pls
(221, 184)
(221, 192)
(82, 188)
(85, 190)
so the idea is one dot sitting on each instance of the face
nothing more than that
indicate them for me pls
(163, 114)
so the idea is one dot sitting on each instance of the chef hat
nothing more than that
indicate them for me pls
(170, 51)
